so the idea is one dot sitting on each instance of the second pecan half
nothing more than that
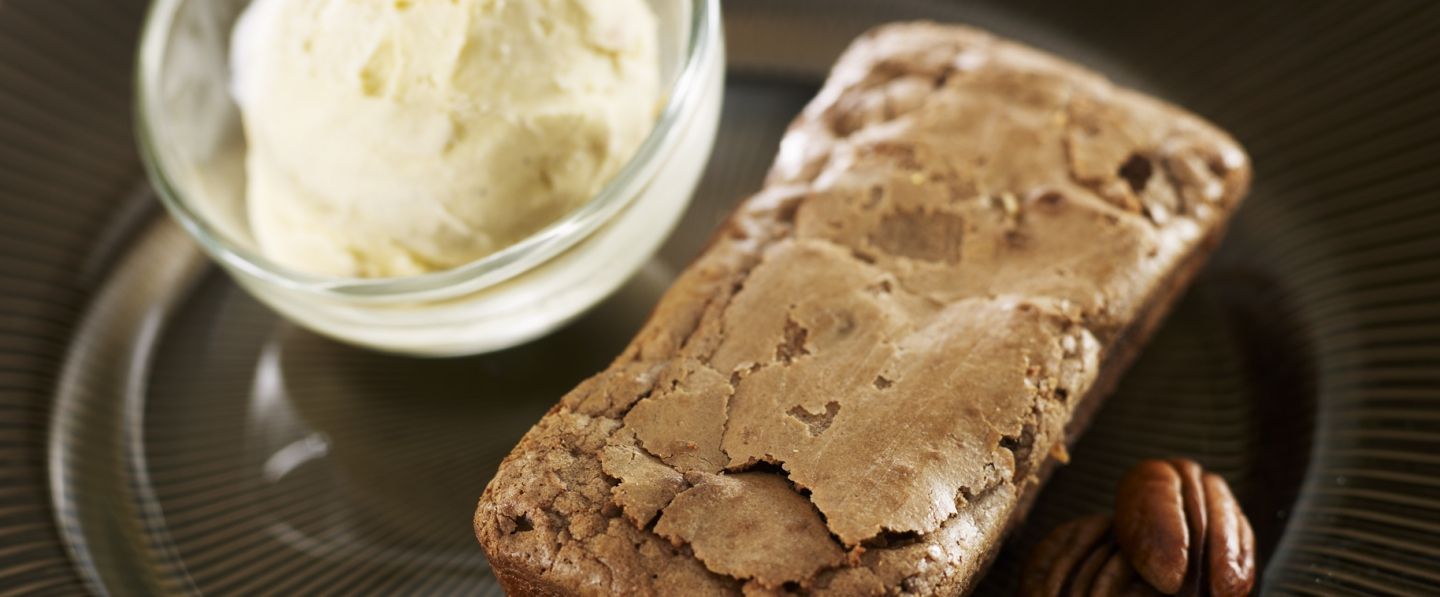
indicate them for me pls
(1080, 559)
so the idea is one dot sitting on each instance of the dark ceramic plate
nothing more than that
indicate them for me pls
(160, 432)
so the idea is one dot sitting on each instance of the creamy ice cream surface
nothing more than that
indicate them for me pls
(397, 137)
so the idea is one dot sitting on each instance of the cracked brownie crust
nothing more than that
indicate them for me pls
(859, 386)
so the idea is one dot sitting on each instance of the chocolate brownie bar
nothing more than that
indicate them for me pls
(860, 385)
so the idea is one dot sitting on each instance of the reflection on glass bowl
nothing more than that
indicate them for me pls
(397, 449)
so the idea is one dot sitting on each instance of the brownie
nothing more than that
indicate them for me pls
(860, 385)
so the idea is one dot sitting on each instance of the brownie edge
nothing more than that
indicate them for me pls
(860, 385)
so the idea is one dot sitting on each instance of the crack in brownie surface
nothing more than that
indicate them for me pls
(856, 388)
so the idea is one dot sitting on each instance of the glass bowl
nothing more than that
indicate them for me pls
(194, 150)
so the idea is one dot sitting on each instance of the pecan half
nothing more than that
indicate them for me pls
(1181, 527)
(1177, 530)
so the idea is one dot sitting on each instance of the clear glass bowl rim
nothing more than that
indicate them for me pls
(681, 99)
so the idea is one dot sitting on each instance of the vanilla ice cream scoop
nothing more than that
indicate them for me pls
(397, 137)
